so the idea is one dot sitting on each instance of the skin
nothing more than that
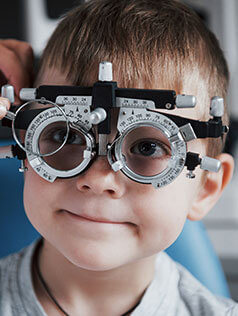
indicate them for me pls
(16, 64)
(101, 229)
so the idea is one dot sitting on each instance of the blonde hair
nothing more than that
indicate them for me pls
(151, 43)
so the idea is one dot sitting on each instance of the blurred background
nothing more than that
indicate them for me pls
(34, 21)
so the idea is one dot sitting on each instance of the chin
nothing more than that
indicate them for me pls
(96, 258)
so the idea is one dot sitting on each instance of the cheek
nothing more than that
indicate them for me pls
(37, 199)
(163, 212)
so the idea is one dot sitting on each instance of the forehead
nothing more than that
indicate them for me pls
(191, 86)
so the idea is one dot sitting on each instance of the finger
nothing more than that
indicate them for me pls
(4, 106)
(23, 50)
(13, 70)
(3, 79)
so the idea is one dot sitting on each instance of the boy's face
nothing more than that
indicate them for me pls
(100, 219)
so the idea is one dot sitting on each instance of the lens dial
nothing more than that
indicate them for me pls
(57, 146)
(150, 148)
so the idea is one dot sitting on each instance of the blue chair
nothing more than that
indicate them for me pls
(15, 229)
(192, 249)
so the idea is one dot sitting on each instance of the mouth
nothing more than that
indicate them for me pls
(102, 220)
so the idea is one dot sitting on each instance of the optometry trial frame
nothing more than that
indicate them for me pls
(67, 127)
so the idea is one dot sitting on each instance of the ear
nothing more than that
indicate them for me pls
(212, 187)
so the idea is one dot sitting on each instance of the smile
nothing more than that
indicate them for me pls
(87, 218)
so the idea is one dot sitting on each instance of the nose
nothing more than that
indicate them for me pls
(101, 179)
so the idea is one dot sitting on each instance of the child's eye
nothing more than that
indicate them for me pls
(150, 148)
(58, 136)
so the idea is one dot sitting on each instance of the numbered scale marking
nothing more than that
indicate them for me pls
(130, 119)
(75, 116)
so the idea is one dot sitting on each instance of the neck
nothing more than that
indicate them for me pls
(112, 292)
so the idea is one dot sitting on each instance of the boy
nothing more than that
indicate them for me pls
(103, 233)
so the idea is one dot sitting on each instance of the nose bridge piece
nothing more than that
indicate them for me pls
(103, 142)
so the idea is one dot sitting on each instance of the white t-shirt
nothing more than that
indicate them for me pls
(173, 291)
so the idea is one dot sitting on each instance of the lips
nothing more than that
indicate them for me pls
(94, 219)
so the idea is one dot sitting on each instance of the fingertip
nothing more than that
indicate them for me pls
(3, 111)
(5, 103)
(19, 80)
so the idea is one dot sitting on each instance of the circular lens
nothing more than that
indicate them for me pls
(52, 137)
(146, 151)
(41, 121)
(37, 119)
(70, 155)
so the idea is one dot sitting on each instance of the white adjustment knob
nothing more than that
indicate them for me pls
(217, 107)
(210, 164)
(97, 116)
(28, 94)
(185, 101)
(7, 91)
(105, 71)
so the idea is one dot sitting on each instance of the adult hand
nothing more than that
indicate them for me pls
(16, 64)
(4, 106)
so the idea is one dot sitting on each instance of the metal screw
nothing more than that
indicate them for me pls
(23, 168)
(168, 106)
(190, 175)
